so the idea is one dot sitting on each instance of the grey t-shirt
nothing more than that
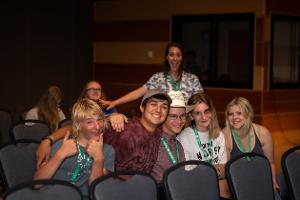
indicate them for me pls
(68, 166)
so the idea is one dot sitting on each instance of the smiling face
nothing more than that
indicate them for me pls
(88, 120)
(93, 91)
(92, 127)
(239, 114)
(174, 58)
(201, 115)
(154, 113)
(175, 121)
(236, 117)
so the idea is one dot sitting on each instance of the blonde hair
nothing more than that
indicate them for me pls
(83, 109)
(48, 107)
(214, 128)
(246, 110)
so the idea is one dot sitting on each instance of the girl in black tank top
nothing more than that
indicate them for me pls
(236, 150)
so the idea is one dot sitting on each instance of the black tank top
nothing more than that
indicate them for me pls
(257, 147)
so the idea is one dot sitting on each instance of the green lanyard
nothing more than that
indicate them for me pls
(83, 161)
(164, 142)
(175, 84)
(239, 143)
(210, 150)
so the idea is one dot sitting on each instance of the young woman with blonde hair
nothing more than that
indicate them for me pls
(242, 135)
(203, 139)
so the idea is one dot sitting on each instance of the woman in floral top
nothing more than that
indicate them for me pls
(173, 78)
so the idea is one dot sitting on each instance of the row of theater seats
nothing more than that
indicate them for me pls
(249, 177)
(25, 129)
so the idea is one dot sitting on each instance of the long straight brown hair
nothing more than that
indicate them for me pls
(214, 128)
(48, 107)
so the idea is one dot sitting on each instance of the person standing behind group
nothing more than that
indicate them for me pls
(203, 139)
(242, 135)
(173, 78)
(94, 91)
(83, 157)
(48, 108)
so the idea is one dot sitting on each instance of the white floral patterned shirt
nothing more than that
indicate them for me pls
(189, 84)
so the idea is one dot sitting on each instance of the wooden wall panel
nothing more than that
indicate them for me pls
(288, 6)
(148, 30)
(216, 6)
(129, 52)
(281, 101)
(221, 97)
(281, 121)
(116, 10)
(120, 73)
(259, 33)
(125, 73)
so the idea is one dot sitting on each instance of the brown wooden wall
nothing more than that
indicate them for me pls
(121, 42)
(128, 69)
(126, 32)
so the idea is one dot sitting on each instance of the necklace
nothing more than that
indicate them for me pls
(173, 160)
(239, 143)
(174, 83)
(210, 150)
(83, 162)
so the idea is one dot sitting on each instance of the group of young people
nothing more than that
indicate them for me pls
(178, 122)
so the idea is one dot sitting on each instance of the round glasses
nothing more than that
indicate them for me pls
(93, 90)
(175, 117)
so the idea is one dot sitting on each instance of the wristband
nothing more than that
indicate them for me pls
(220, 177)
(48, 137)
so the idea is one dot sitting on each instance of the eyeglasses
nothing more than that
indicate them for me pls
(93, 90)
(175, 117)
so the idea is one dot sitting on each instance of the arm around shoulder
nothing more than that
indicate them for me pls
(43, 151)
(60, 133)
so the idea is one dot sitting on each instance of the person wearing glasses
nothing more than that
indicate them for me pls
(81, 157)
(170, 150)
(173, 78)
(203, 139)
(93, 90)
(136, 144)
